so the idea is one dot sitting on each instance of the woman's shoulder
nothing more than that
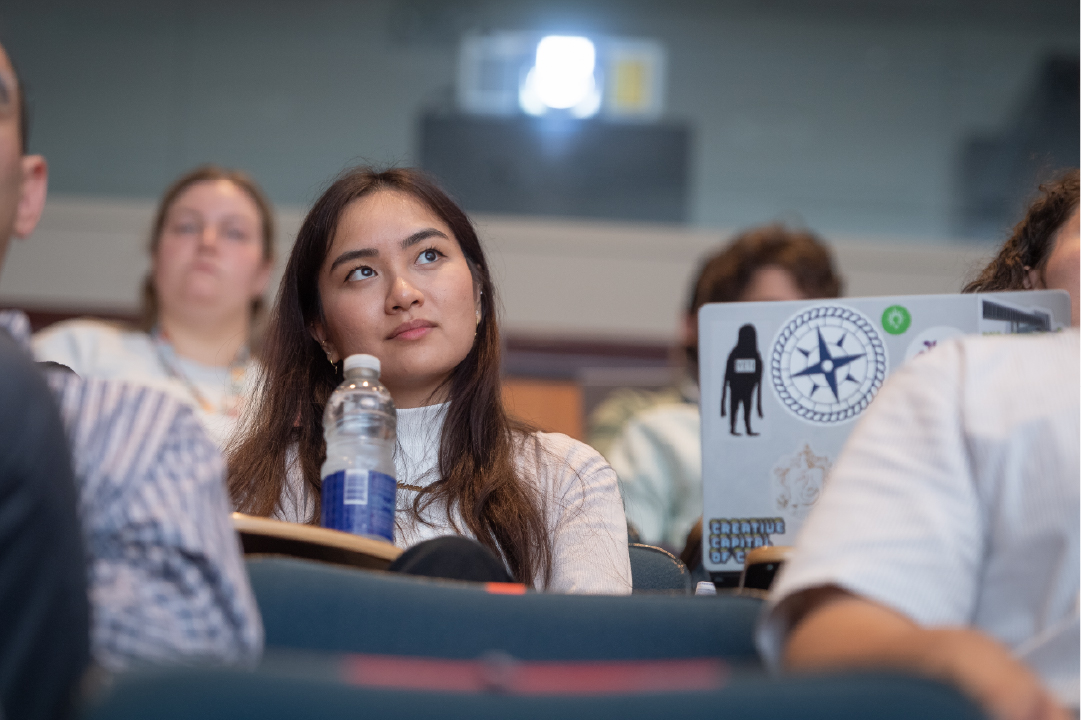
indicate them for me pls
(673, 417)
(85, 330)
(85, 343)
(560, 456)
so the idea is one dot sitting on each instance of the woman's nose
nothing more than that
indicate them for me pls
(403, 294)
(209, 237)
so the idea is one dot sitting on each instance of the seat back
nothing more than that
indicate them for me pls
(319, 689)
(654, 569)
(311, 606)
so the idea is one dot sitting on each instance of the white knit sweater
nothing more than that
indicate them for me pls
(578, 491)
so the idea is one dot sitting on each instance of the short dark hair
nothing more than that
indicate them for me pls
(724, 276)
(1030, 244)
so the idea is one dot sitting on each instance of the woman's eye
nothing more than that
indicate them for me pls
(428, 256)
(234, 233)
(360, 273)
(186, 228)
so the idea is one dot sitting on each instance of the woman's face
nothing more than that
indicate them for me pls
(396, 285)
(768, 283)
(209, 259)
(771, 283)
(1063, 268)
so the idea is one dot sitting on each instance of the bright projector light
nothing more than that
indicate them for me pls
(563, 75)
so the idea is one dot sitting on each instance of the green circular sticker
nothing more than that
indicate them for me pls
(896, 319)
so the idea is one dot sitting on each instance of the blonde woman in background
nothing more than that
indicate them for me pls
(212, 252)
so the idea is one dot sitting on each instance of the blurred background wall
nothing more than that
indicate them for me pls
(909, 133)
(850, 115)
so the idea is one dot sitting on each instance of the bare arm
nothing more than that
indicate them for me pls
(834, 629)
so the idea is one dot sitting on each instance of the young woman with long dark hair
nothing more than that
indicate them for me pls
(386, 264)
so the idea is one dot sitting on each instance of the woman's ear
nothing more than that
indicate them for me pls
(1032, 279)
(318, 333)
(477, 295)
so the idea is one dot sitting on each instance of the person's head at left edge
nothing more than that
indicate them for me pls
(23, 177)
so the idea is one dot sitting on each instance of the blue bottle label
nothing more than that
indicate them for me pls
(361, 502)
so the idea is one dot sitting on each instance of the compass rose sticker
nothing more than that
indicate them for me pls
(827, 363)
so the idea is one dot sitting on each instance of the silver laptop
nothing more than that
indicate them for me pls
(782, 384)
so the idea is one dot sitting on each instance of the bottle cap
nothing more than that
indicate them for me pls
(705, 587)
(361, 361)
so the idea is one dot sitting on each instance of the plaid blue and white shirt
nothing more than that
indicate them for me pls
(166, 576)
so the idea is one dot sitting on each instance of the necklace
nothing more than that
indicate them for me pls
(238, 368)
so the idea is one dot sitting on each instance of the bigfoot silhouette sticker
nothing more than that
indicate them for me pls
(742, 376)
(827, 364)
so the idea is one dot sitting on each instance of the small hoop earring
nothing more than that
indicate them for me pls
(326, 349)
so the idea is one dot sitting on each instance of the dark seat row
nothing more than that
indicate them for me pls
(271, 693)
(347, 643)
(310, 606)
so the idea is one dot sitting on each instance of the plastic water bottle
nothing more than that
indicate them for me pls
(359, 487)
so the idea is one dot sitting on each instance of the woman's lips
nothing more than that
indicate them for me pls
(412, 330)
(205, 266)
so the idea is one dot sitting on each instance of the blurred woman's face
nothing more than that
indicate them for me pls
(1062, 271)
(768, 283)
(395, 284)
(210, 260)
(771, 283)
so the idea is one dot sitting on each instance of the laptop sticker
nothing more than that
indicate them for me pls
(742, 376)
(827, 364)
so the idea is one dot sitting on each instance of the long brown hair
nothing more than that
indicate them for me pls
(1031, 242)
(478, 444)
(149, 313)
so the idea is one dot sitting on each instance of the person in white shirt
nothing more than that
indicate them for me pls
(946, 540)
(212, 251)
(386, 264)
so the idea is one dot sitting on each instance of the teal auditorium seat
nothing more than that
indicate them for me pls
(269, 694)
(312, 606)
(654, 569)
